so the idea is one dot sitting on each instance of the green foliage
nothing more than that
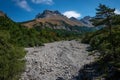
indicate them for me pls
(104, 15)
(50, 35)
(10, 58)
(106, 41)
(83, 29)
(99, 40)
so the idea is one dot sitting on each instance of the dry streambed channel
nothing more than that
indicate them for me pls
(55, 61)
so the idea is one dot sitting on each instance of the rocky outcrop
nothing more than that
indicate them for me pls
(48, 13)
(86, 21)
(55, 61)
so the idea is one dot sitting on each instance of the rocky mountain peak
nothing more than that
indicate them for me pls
(87, 18)
(51, 12)
(86, 21)
(73, 18)
(48, 13)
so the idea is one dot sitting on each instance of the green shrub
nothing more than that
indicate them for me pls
(11, 63)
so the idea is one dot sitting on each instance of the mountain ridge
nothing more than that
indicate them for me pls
(55, 18)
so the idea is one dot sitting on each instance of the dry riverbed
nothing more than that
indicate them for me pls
(56, 61)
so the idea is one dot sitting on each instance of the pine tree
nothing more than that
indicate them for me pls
(104, 16)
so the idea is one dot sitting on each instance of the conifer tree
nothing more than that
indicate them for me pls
(104, 16)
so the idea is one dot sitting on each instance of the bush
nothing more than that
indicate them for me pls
(11, 64)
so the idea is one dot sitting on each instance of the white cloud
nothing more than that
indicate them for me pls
(23, 4)
(70, 14)
(49, 2)
(117, 11)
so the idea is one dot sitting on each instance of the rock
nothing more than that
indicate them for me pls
(56, 61)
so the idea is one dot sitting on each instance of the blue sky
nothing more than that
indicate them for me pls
(22, 10)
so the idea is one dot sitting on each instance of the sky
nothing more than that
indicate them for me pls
(23, 10)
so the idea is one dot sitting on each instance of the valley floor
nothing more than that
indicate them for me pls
(56, 61)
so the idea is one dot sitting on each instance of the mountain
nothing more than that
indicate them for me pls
(48, 14)
(76, 20)
(51, 19)
(86, 21)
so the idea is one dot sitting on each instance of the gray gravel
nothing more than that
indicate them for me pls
(55, 60)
